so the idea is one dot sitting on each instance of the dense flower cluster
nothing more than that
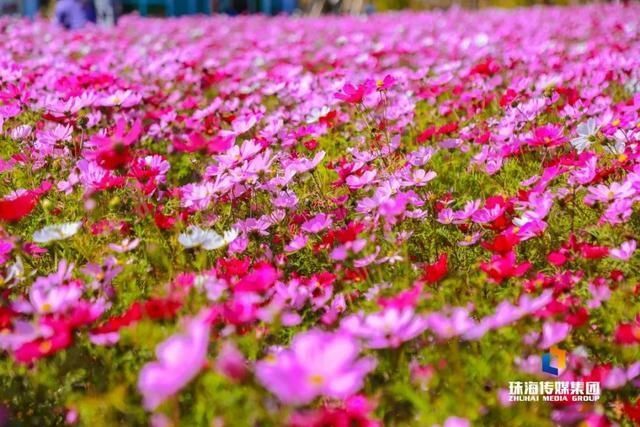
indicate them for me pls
(338, 221)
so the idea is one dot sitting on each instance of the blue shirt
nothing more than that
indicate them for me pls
(71, 14)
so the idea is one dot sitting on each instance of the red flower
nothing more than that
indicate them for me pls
(329, 118)
(628, 333)
(572, 96)
(593, 251)
(448, 128)
(355, 412)
(6, 314)
(164, 222)
(503, 243)
(488, 67)
(311, 144)
(577, 318)
(502, 267)
(228, 268)
(42, 347)
(355, 94)
(114, 157)
(157, 308)
(325, 278)
(433, 273)
(114, 152)
(633, 411)
(558, 258)
(508, 97)
(427, 134)
(115, 323)
(17, 208)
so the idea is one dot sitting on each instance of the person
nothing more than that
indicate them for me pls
(74, 14)
(106, 12)
(71, 14)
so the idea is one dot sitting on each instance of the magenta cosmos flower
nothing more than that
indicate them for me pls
(318, 363)
(180, 358)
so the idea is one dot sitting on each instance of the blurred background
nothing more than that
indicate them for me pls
(107, 11)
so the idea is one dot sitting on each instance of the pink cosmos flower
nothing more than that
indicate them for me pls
(358, 181)
(316, 364)
(298, 242)
(456, 422)
(553, 333)
(262, 277)
(470, 239)
(466, 212)
(388, 328)
(624, 252)
(125, 246)
(603, 193)
(231, 363)
(618, 211)
(95, 178)
(316, 224)
(599, 292)
(586, 173)
(180, 358)
(446, 216)
(420, 177)
(120, 98)
(286, 199)
(458, 323)
(485, 214)
(6, 246)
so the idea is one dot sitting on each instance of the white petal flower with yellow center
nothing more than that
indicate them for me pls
(209, 240)
(51, 233)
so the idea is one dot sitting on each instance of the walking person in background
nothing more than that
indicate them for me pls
(71, 14)
(106, 12)
(74, 14)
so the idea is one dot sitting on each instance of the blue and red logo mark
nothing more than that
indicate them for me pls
(554, 361)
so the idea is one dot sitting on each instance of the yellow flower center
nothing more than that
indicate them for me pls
(316, 379)
(45, 346)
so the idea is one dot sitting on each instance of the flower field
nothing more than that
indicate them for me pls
(390, 220)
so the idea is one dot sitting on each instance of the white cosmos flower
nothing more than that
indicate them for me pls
(231, 235)
(619, 144)
(209, 240)
(194, 236)
(54, 232)
(586, 131)
(212, 241)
